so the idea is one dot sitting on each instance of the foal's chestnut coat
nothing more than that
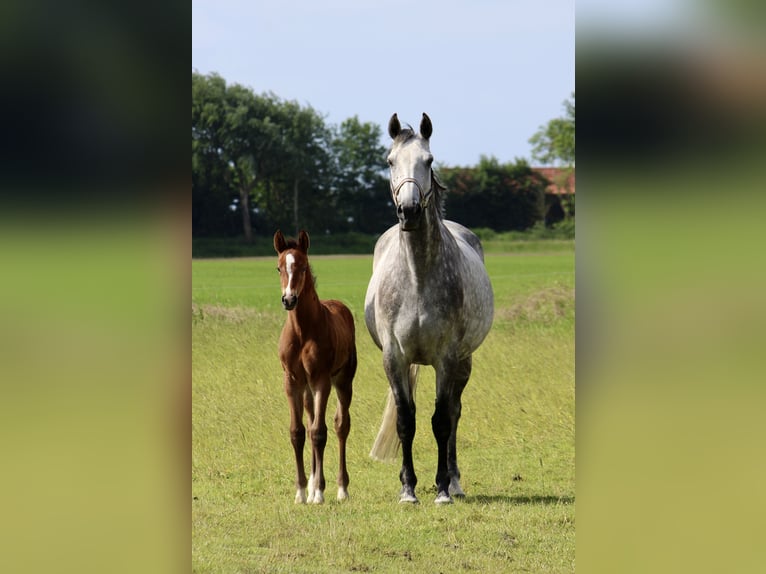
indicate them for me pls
(318, 351)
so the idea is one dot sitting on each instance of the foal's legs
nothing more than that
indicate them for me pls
(308, 406)
(451, 379)
(342, 421)
(294, 391)
(318, 434)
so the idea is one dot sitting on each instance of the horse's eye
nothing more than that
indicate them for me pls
(429, 161)
(390, 162)
(278, 270)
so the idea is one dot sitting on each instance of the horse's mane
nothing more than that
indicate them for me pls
(404, 135)
(439, 193)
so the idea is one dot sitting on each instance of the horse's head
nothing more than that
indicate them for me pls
(410, 161)
(293, 266)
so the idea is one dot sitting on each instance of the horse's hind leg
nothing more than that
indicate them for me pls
(452, 469)
(342, 421)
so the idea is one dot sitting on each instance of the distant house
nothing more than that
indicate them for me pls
(559, 193)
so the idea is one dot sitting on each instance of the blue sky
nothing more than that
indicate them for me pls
(489, 73)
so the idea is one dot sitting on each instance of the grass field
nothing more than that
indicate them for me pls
(515, 442)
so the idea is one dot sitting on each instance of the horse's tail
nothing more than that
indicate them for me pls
(387, 442)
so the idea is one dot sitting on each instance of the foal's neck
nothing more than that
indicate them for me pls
(309, 309)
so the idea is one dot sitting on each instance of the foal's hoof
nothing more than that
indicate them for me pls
(407, 495)
(342, 493)
(443, 498)
(300, 496)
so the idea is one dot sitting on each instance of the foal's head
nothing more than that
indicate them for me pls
(293, 266)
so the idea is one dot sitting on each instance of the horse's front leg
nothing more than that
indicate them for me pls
(451, 378)
(398, 372)
(464, 372)
(318, 433)
(294, 391)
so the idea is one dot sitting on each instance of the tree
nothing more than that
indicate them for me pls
(273, 163)
(305, 147)
(554, 143)
(500, 196)
(234, 140)
(359, 188)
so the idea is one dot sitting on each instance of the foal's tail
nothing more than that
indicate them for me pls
(387, 442)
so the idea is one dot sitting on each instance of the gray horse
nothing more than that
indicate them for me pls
(429, 302)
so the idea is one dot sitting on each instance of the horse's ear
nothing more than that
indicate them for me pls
(394, 127)
(279, 242)
(303, 241)
(426, 129)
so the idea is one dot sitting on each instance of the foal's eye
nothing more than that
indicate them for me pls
(278, 270)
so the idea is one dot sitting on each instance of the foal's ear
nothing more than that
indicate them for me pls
(426, 129)
(279, 242)
(303, 241)
(394, 127)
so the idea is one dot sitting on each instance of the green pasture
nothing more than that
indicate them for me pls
(516, 442)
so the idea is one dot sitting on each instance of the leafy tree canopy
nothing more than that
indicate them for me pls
(554, 143)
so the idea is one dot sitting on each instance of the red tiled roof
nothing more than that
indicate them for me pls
(560, 184)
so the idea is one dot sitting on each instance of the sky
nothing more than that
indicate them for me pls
(489, 73)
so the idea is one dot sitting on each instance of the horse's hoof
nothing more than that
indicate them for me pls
(342, 493)
(443, 498)
(318, 497)
(455, 489)
(408, 496)
(300, 496)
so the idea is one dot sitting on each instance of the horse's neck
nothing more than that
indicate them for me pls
(424, 245)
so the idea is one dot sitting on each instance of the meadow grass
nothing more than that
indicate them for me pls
(515, 442)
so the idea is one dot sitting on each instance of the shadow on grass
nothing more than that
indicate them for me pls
(518, 500)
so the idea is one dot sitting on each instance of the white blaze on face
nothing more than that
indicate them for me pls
(289, 264)
(411, 160)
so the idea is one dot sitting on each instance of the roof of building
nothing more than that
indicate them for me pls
(562, 179)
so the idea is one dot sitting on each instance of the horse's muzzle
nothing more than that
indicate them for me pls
(409, 216)
(289, 303)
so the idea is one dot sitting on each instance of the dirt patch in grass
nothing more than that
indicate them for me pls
(544, 307)
(227, 314)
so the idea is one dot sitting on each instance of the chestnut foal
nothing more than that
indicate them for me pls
(318, 351)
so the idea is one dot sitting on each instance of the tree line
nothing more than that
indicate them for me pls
(260, 163)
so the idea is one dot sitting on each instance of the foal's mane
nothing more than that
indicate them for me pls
(292, 243)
